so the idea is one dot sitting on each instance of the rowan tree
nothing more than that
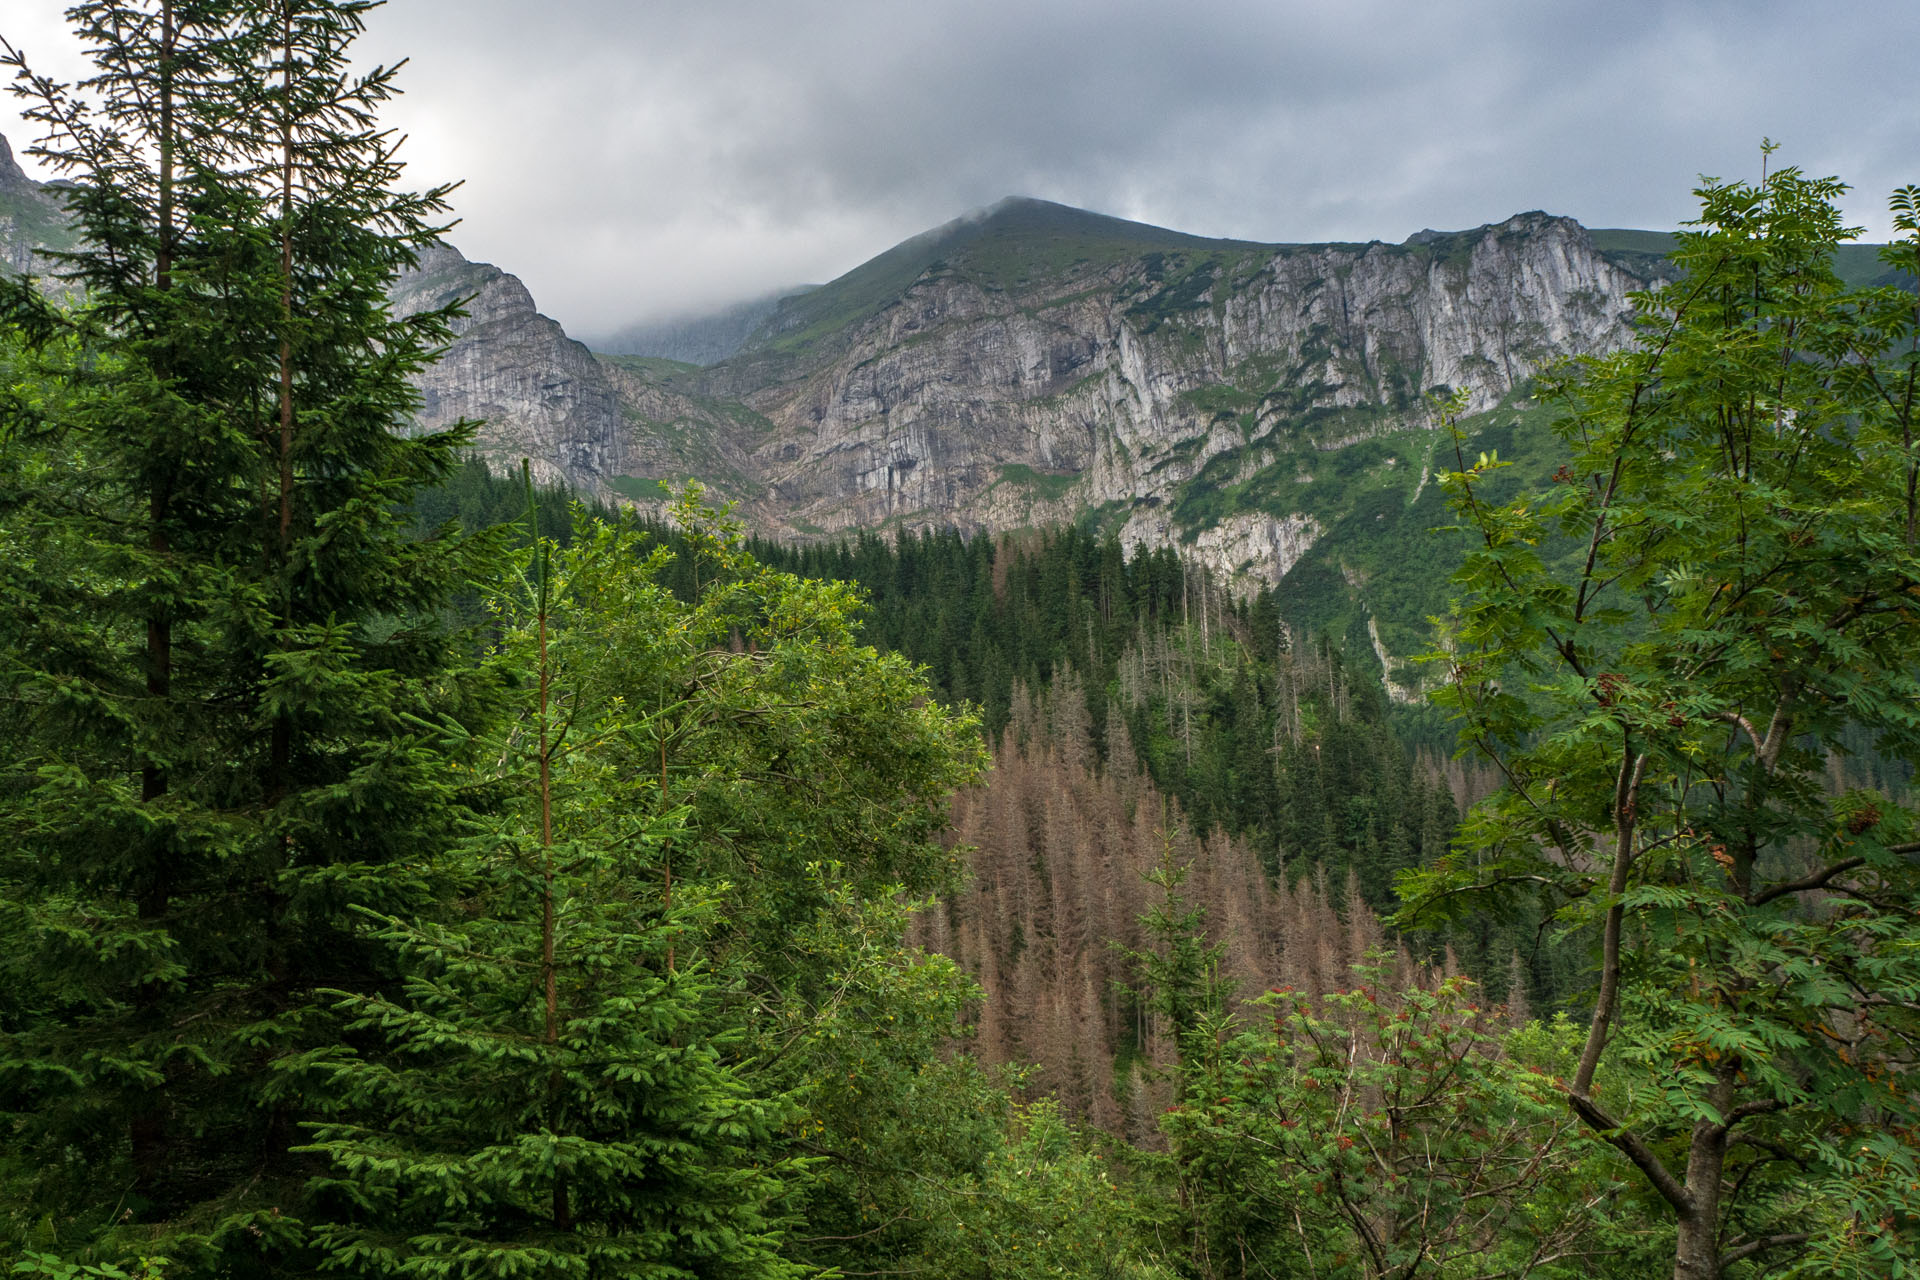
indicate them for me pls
(1662, 653)
(1388, 1134)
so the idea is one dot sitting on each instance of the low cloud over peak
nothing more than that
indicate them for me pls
(644, 161)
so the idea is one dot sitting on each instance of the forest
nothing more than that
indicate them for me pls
(406, 871)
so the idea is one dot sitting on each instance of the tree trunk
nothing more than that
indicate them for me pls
(147, 1129)
(1697, 1255)
(1697, 1252)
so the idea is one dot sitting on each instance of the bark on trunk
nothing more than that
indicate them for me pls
(1697, 1252)
(148, 1130)
(1697, 1255)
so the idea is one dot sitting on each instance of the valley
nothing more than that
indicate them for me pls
(1071, 749)
(1264, 408)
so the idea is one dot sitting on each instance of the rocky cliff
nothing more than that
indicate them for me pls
(539, 394)
(1040, 364)
(1030, 364)
(32, 220)
(1261, 405)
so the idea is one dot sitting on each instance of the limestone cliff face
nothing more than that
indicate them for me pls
(1031, 365)
(1127, 386)
(32, 219)
(1260, 406)
(539, 394)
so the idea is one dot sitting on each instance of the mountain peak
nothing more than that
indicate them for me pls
(12, 176)
(1031, 216)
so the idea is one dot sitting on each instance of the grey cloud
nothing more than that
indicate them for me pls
(636, 159)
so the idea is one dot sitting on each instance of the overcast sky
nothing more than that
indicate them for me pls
(636, 158)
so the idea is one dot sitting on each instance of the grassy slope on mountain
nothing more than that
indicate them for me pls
(684, 430)
(1389, 549)
(1016, 245)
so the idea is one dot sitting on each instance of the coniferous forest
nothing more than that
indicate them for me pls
(406, 871)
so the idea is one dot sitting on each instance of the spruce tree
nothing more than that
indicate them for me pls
(232, 695)
(560, 1099)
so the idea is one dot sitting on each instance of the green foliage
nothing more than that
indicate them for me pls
(230, 703)
(1737, 608)
(560, 1089)
(1650, 253)
(656, 367)
(1017, 245)
(898, 1129)
(1179, 973)
(335, 938)
(1249, 731)
(1047, 486)
(1376, 1134)
(473, 500)
(1171, 290)
(639, 488)
(49, 1267)
(1046, 1206)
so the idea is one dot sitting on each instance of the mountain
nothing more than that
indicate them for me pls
(1262, 406)
(539, 394)
(1039, 364)
(32, 219)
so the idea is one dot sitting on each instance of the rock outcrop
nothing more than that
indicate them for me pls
(1029, 365)
(538, 394)
(32, 220)
(1143, 382)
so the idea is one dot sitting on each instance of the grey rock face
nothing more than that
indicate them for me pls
(541, 395)
(12, 177)
(963, 393)
(962, 405)
(32, 219)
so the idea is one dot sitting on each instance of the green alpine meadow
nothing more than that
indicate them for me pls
(1071, 750)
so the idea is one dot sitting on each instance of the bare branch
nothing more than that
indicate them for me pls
(1778, 731)
(1734, 717)
(1747, 1250)
(1633, 767)
(1634, 1149)
(1747, 1110)
(1818, 880)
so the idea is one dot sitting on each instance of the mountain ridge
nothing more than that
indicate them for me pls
(1262, 406)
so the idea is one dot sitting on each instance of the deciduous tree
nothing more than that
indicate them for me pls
(1661, 652)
